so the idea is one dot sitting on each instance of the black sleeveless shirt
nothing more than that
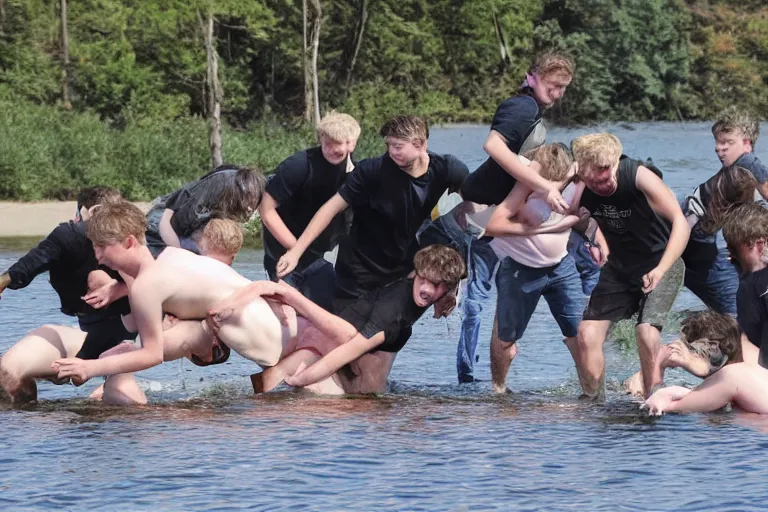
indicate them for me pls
(636, 235)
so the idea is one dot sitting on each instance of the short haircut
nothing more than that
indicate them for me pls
(735, 120)
(91, 196)
(113, 223)
(440, 264)
(713, 336)
(243, 197)
(406, 128)
(220, 236)
(733, 186)
(550, 62)
(338, 127)
(597, 149)
(555, 160)
(746, 224)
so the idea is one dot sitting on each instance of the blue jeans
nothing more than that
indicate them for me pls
(588, 269)
(481, 263)
(711, 277)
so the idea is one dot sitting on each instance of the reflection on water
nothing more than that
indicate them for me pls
(206, 444)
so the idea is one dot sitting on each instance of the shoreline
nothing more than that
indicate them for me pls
(37, 219)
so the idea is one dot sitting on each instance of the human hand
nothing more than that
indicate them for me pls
(658, 402)
(102, 296)
(287, 263)
(445, 305)
(74, 368)
(295, 380)
(555, 200)
(681, 357)
(652, 279)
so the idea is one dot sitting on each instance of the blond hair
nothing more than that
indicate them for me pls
(113, 223)
(338, 127)
(746, 224)
(408, 128)
(739, 121)
(221, 236)
(440, 264)
(550, 63)
(597, 149)
(555, 160)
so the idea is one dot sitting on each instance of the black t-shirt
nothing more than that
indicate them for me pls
(516, 119)
(389, 207)
(67, 254)
(636, 236)
(390, 309)
(752, 310)
(302, 184)
(194, 203)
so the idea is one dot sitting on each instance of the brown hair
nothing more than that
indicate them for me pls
(746, 224)
(91, 196)
(739, 121)
(555, 160)
(732, 187)
(406, 128)
(112, 223)
(220, 236)
(596, 148)
(243, 196)
(338, 127)
(550, 62)
(714, 336)
(440, 264)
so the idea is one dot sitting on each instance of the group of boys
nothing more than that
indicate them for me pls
(337, 328)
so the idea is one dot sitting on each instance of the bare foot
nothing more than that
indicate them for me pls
(634, 385)
(499, 388)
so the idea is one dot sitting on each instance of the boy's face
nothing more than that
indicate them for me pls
(404, 152)
(113, 256)
(729, 146)
(600, 177)
(550, 88)
(334, 151)
(749, 258)
(426, 293)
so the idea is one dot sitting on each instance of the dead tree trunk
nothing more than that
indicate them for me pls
(362, 18)
(315, 47)
(214, 95)
(305, 65)
(65, 96)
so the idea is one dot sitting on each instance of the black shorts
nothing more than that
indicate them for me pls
(103, 335)
(619, 295)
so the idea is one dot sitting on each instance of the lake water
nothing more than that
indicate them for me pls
(205, 443)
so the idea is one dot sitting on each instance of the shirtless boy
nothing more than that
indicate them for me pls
(32, 356)
(738, 382)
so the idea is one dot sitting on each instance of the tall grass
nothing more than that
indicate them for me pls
(49, 153)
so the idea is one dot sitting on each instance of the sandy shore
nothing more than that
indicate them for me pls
(36, 219)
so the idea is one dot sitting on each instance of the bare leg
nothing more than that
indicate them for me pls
(32, 356)
(590, 360)
(502, 354)
(635, 386)
(369, 374)
(648, 346)
(270, 378)
(122, 389)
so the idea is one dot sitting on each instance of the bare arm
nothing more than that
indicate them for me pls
(663, 202)
(166, 231)
(273, 222)
(714, 393)
(317, 225)
(334, 360)
(504, 221)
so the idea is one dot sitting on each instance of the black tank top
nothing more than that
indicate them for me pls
(636, 236)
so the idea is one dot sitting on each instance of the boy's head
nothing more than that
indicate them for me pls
(243, 197)
(406, 139)
(337, 134)
(735, 133)
(555, 160)
(115, 229)
(220, 239)
(90, 198)
(549, 76)
(598, 157)
(714, 337)
(733, 186)
(438, 270)
(746, 230)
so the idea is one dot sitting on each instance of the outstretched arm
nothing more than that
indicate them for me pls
(335, 360)
(274, 223)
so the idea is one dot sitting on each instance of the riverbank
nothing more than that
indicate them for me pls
(37, 219)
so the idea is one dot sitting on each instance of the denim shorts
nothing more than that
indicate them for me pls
(520, 288)
(711, 277)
